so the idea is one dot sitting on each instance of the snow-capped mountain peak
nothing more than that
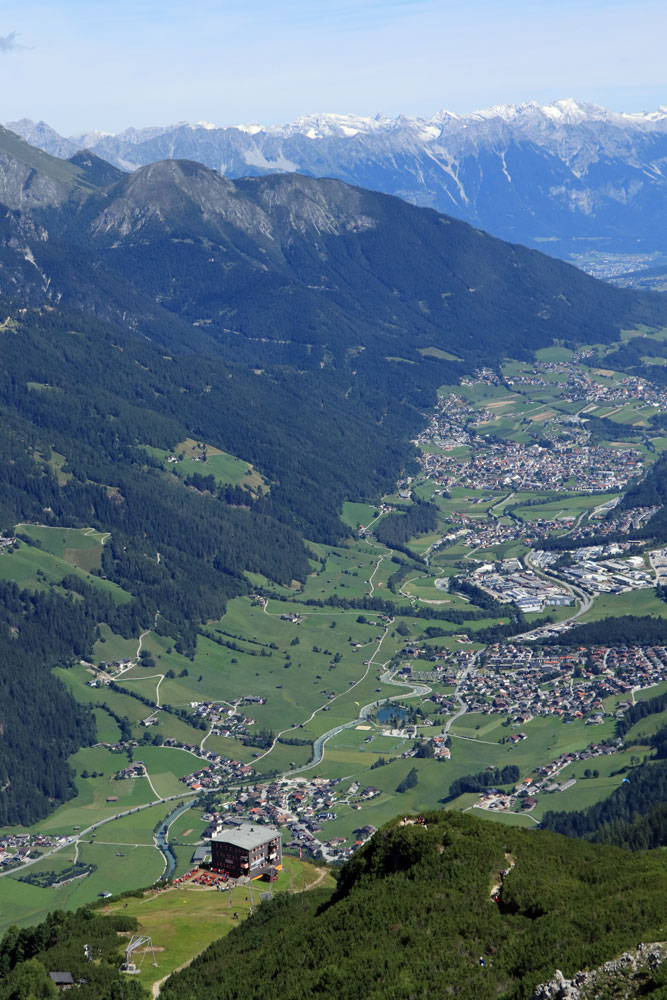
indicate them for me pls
(321, 126)
(561, 172)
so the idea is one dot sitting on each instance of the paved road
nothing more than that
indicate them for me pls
(370, 593)
(318, 745)
(291, 729)
(585, 601)
(658, 561)
(464, 708)
(416, 691)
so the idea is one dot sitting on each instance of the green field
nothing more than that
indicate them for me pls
(633, 602)
(55, 554)
(182, 922)
(205, 460)
(90, 805)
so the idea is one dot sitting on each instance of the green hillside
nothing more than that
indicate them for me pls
(76, 172)
(413, 916)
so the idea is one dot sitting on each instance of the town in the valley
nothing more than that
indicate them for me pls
(398, 671)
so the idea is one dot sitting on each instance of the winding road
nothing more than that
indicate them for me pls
(585, 601)
(328, 702)
(464, 708)
(416, 691)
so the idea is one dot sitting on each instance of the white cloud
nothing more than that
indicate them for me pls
(8, 43)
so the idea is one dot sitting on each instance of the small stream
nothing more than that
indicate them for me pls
(162, 842)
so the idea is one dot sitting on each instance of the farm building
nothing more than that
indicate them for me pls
(247, 850)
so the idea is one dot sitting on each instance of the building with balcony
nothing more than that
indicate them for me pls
(247, 850)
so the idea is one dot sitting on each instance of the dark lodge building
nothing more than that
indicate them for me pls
(247, 850)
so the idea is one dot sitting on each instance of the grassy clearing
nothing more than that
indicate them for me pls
(205, 460)
(37, 568)
(566, 506)
(113, 648)
(135, 829)
(188, 828)
(510, 819)
(90, 805)
(633, 602)
(437, 352)
(554, 353)
(358, 513)
(80, 546)
(587, 791)
(648, 726)
(108, 730)
(166, 765)
(182, 922)
(117, 869)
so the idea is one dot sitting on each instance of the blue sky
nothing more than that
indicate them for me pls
(81, 64)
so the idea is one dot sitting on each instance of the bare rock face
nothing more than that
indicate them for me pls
(44, 137)
(22, 188)
(621, 974)
(558, 988)
(164, 193)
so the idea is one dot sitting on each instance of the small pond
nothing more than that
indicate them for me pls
(388, 712)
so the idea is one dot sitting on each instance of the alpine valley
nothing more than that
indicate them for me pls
(326, 510)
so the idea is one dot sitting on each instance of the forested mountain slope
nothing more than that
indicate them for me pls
(290, 270)
(413, 917)
(95, 395)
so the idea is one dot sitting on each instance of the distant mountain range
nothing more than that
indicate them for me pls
(302, 271)
(567, 177)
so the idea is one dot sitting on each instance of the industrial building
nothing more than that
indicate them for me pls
(247, 850)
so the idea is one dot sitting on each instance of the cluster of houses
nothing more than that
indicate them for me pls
(18, 847)
(563, 465)
(218, 771)
(578, 385)
(137, 769)
(567, 463)
(622, 523)
(299, 805)
(495, 531)
(225, 718)
(524, 796)
(523, 682)
(564, 457)
(106, 671)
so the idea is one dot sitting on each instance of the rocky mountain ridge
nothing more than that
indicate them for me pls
(325, 273)
(566, 176)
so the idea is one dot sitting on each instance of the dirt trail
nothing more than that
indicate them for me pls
(317, 881)
(156, 987)
(497, 886)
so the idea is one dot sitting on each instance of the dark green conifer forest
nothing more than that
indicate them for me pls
(412, 916)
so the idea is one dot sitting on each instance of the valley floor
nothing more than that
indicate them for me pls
(329, 708)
